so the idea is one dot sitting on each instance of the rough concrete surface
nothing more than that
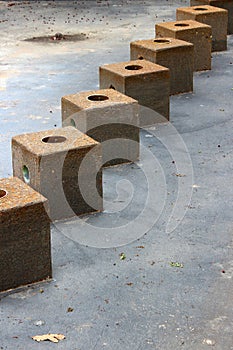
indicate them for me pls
(172, 288)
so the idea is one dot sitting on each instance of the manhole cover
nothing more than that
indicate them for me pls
(58, 37)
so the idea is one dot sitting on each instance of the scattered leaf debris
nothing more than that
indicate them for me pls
(54, 338)
(140, 246)
(180, 175)
(176, 264)
(70, 309)
(129, 283)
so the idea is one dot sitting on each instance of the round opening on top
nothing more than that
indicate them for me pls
(3, 193)
(133, 67)
(200, 9)
(26, 174)
(54, 139)
(181, 25)
(97, 98)
(72, 123)
(162, 41)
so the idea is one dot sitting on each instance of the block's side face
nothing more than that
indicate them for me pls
(140, 52)
(68, 108)
(180, 61)
(51, 168)
(201, 39)
(60, 184)
(25, 165)
(122, 113)
(110, 80)
(73, 115)
(151, 91)
(116, 127)
(82, 180)
(218, 22)
(227, 5)
(163, 31)
(25, 248)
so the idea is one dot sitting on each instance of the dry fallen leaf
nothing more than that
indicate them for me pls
(180, 175)
(51, 337)
(122, 256)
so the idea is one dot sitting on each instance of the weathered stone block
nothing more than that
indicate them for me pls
(65, 166)
(177, 55)
(225, 4)
(197, 33)
(110, 118)
(144, 81)
(25, 252)
(215, 17)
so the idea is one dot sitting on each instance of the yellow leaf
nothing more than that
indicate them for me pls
(51, 337)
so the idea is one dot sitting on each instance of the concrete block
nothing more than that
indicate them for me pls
(224, 4)
(25, 252)
(215, 17)
(177, 55)
(144, 81)
(110, 118)
(197, 33)
(65, 166)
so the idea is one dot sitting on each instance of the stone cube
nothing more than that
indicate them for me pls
(65, 166)
(224, 4)
(25, 251)
(177, 55)
(197, 33)
(213, 16)
(110, 118)
(147, 82)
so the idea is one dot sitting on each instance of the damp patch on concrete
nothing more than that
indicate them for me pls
(58, 37)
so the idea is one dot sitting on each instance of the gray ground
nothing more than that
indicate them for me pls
(141, 302)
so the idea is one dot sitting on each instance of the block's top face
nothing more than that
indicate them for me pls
(202, 10)
(14, 193)
(98, 98)
(161, 44)
(185, 25)
(54, 141)
(134, 68)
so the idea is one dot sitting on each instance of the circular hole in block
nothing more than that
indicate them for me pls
(181, 25)
(72, 123)
(140, 58)
(162, 41)
(133, 67)
(200, 9)
(26, 174)
(54, 139)
(3, 193)
(98, 98)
